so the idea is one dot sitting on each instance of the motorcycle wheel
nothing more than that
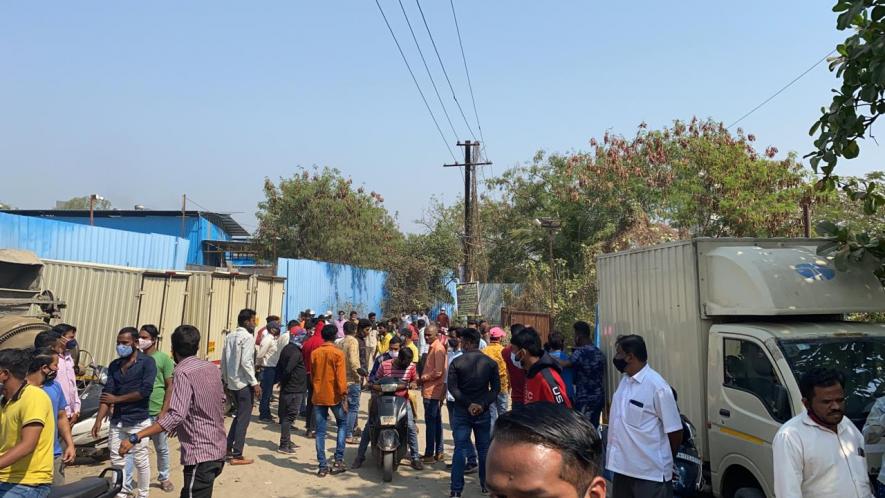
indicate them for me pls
(387, 466)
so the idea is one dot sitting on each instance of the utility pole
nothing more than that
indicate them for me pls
(469, 203)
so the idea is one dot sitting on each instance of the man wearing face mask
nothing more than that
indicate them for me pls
(148, 337)
(645, 428)
(543, 382)
(130, 382)
(42, 373)
(819, 453)
(68, 351)
(195, 415)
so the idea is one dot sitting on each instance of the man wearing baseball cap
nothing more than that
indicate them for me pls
(493, 351)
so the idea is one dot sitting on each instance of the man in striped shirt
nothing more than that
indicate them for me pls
(195, 415)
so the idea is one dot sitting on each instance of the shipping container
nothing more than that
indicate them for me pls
(162, 302)
(100, 300)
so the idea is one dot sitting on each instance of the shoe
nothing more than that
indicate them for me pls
(357, 432)
(241, 461)
(351, 440)
(429, 459)
(286, 450)
(338, 467)
(310, 434)
(417, 464)
(449, 466)
(455, 494)
(268, 420)
(167, 486)
(357, 463)
(471, 469)
(484, 491)
(323, 472)
(440, 457)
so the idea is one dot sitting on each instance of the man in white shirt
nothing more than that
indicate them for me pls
(873, 431)
(238, 375)
(267, 357)
(645, 428)
(820, 453)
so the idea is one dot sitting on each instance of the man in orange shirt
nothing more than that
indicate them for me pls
(328, 377)
(433, 390)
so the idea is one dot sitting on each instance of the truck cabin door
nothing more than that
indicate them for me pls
(748, 404)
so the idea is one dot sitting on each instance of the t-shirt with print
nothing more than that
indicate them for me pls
(57, 397)
(30, 405)
(165, 366)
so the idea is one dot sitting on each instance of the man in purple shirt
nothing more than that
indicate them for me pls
(195, 415)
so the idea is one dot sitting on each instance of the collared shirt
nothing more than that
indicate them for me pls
(874, 429)
(494, 351)
(328, 375)
(473, 378)
(643, 412)
(196, 411)
(435, 370)
(339, 324)
(423, 346)
(237, 360)
(373, 375)
(811, 461)
(588, 370)
(140, 376)
(350, 346)
(67, 379)
(269, 351)
(57, 397)
(450, 356)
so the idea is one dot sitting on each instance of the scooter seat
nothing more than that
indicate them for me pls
(89, 487)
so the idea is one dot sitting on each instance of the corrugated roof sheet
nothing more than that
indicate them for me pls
(52, 239)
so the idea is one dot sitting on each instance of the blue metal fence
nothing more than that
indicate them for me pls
(322, 286)
(51, 239)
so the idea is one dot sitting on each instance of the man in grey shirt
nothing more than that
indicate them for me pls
(238, 375)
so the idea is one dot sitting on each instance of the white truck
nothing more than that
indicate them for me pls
(732, 324)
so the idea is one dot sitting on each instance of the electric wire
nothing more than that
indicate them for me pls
(445, 73)
(467, 71)
(415, 80)
(427, 68)
(788, 85)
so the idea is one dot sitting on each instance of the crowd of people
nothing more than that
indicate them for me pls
(524, 417)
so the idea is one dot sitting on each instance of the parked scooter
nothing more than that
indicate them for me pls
(106, 485)
(390, 425)
(91, 385)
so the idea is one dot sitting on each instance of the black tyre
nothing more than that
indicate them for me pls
(387, 466)
(749, 493)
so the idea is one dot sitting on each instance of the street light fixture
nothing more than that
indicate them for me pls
(551, 225)
(92, 199)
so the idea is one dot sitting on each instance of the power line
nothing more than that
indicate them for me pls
(415, 80)
(427, 68)
(469, 83)
(449, 81)
(788, 85)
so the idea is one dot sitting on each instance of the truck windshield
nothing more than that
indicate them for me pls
(861, 360)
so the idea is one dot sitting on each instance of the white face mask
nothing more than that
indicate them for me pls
(394, 354)
(515, 360)
(144, 344)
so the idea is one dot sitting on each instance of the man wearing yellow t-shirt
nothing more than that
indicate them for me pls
(27, 431)
(383, 339)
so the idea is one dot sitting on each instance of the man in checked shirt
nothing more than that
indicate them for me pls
(195, 415)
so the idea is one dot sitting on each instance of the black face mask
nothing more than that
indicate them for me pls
(50, 376)
(620, 364)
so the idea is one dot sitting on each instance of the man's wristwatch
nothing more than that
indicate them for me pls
(134, 439)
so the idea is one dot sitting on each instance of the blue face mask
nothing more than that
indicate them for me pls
(72, 344)
(124, 351)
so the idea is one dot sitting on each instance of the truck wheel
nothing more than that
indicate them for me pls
(387, 466)
(749, 493)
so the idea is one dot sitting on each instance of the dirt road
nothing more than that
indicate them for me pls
(277, 475)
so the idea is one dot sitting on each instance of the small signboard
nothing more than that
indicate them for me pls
(468, 298)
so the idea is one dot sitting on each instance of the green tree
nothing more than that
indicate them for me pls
(320, 215)
(82, 203)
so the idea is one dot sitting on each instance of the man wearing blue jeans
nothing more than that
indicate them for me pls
(329, 391)
(350, 346)
(268, 356)
(433, 390)
(474, 383)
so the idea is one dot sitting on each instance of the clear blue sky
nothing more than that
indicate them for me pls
(141, 102)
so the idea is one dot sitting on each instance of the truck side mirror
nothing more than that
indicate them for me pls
(781, 410)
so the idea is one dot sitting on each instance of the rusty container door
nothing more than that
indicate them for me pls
(173, 308)
(219, 315)
(541, 322)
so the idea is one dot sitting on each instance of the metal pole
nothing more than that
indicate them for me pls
(806, 220)
(552, 270)
(183, 211)
(468, 214)
(92, 210)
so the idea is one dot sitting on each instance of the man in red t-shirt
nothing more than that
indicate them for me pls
(306, 349)
(515, 374)
(543, 374)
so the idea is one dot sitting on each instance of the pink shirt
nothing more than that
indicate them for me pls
(67, 379)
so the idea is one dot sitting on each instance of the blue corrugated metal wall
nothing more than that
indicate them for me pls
(196, 229)
(322, 286)
(52, 239)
